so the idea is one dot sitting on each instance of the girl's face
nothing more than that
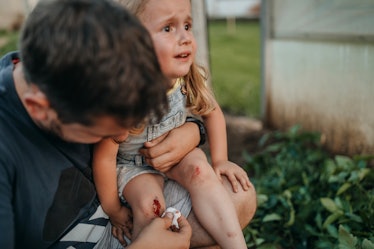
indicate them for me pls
(170, 25)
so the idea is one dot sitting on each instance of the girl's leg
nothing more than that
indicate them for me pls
(144, 193)
(245, 203)
(211, 202)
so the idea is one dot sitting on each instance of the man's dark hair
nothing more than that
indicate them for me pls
(92, 58)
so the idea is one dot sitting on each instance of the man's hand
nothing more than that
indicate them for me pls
(234, 173)
(166, 151)
(159, 235)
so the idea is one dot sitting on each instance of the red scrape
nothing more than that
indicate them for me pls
(156, 207)
(197, 172)
(195, 175)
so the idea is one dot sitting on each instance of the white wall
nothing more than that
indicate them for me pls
(12, 12)
(321, 78)
(232, 8)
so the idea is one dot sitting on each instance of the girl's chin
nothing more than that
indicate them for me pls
(177, 76)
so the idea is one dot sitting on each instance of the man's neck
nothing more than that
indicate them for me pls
(19, 81)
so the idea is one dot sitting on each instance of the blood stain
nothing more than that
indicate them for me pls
(156, 207)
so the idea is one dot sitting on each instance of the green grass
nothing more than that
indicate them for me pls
(235, 66)
(8, 41)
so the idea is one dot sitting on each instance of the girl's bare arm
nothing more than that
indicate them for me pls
(105, 176)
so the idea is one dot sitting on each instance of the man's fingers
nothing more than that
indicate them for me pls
(155, 141)
(184, 227)
(168, 218)
(162, 163)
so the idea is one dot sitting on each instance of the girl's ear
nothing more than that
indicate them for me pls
(37, 105)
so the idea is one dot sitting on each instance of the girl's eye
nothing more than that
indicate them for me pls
(166, 29)
(187, 27)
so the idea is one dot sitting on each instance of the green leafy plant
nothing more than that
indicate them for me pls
(8, 41)
(308, 198)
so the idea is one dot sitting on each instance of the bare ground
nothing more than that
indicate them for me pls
(243, 134)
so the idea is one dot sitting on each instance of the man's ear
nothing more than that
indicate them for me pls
(37, 105)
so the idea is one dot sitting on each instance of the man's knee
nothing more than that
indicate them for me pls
(245, 202)
(248, 206)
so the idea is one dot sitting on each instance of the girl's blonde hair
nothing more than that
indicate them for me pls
(136, 7)
(200, 98)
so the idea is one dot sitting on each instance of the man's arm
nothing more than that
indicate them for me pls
(158, 235)
(7, 226)
(166, 151)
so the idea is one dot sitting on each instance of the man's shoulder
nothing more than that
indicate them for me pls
(8, 58)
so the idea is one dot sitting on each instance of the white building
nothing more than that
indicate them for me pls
(233, 8)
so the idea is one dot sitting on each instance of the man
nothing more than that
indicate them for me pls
(86, 71)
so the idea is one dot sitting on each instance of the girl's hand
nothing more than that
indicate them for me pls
(122, 224)
(234, 173)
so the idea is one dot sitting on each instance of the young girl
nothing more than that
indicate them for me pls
(170, 24)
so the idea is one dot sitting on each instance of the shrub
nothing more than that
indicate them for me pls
(308, 198)
(8, 41)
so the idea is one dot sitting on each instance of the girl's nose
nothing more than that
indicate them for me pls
(185, 37)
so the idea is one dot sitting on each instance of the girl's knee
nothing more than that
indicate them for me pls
(201, 171)
(145, 195)
(150, 207)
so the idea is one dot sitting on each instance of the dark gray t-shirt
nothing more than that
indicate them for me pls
(44, 190)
